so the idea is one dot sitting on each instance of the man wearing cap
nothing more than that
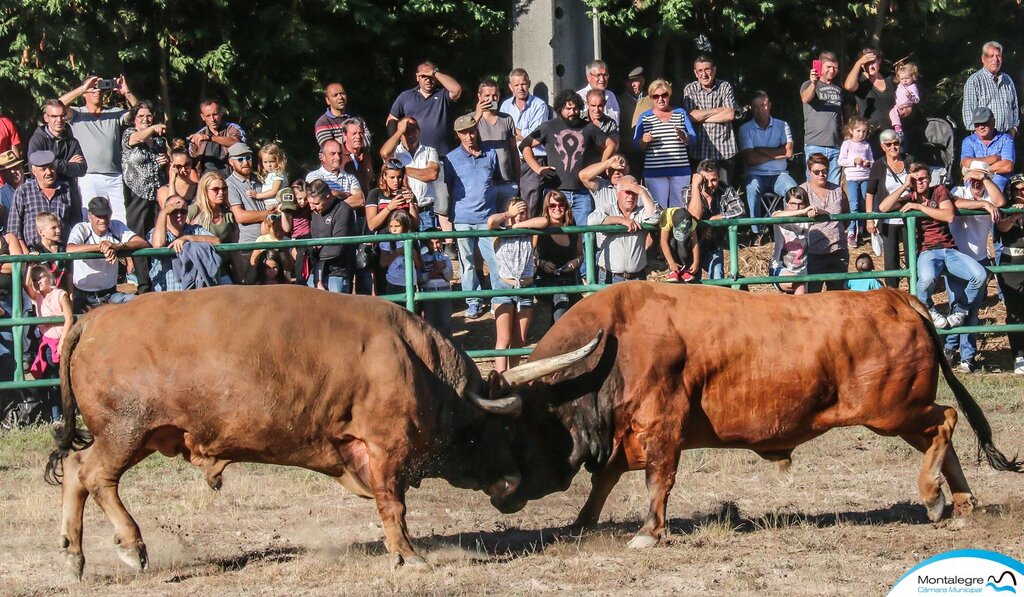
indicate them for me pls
(99, 129)
(621, 255)
(422, 167)
(528, 112)
(991, 88)
(54, 136)
(470, 172)
(990, 146)
(971, 234)
(629, 103)
(597, 78)
(249, 212)
(209, 145)
(95, 280)
(43, 193)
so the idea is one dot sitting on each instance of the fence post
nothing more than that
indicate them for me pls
(17, 310)
(589, 257)
(734, 253)
(911, 224)
(410, 273)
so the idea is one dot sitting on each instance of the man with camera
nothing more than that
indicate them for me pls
(497, 131)
(98, 129)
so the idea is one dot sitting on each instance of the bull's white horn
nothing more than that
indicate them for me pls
(537, 369)
(510, 406)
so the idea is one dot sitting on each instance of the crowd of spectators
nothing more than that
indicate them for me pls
(103, 177)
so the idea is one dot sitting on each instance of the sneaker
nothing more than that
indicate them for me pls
(674, 277)
(956, 318)
(687, 278)
(473, 311)
(1018, 365)
(950, 355)
(851, 240)
(966, 367)
(938, 319)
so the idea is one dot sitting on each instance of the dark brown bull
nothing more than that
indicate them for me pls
(684, 367)
(352, 387)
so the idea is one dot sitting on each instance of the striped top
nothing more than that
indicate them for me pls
(666, 155)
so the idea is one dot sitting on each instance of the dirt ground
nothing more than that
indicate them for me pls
(844, 519)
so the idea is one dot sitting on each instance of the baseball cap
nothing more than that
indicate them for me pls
(464, 123)
(286, 197)
(42, 157)
(238, 150)
(982, 115)
(100, 207)
(977, 166)
(679, 221)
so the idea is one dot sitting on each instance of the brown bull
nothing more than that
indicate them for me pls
(684, 367)
(352, 387)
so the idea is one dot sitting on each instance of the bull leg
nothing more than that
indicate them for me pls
(935, 442)
(963, 498)
(661, 476)
(101, 472)
(601, 484)
(389, 492)
(74, 496)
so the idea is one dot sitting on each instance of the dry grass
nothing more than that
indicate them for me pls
(845, 519)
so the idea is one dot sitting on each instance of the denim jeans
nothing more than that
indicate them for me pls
(667, 191)
(759, 184)
(339, 284)
(713, 262)
(934, 262)
(967, 343)
(582, 204)
(85, 300)
(428, 219)
(470, 279)
(856, 191)
(832, 153)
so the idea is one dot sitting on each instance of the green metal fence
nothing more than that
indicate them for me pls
(733, 278)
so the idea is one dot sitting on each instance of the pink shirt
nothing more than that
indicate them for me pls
(49, 306)
(848, 152)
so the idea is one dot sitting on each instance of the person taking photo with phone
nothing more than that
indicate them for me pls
(823, 112)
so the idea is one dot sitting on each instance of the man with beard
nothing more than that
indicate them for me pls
(571, 144)
(249, 212)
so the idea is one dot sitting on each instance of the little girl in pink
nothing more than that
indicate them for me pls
(906, 93)
(49, 301)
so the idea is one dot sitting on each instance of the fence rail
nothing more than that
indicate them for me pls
(411, 296)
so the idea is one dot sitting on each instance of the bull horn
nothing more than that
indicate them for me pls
(537, 369)
(510, 406)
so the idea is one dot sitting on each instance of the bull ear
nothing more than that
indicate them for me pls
(537, 369)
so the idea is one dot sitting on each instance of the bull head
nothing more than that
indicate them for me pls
(531, 371)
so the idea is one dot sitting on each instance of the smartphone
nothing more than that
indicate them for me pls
(494, 105)
(816, 65)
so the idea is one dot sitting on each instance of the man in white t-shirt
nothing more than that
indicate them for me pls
(95, 280)
(971, 234)
(422, 167)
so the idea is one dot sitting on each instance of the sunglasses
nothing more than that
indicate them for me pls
(242, 158)
(819, 172)
(393, 164)
(890, 143)
(921, 179)
(179, 212)
(660, 96)
(217, 189)
(556, 206)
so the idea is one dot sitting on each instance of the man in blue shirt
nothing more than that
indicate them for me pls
(765, 145)
(528, 112)
(989, 146)
(470, 172)
(430, 103)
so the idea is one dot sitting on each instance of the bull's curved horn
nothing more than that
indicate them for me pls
(538, 369)
(510, 406)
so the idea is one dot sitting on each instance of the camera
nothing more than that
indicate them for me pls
(274, 217)
(106, 84)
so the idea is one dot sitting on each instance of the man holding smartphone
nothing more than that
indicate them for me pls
(497, 131)
(823, 112)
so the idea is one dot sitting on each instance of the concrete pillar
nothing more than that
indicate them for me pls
(553, 40)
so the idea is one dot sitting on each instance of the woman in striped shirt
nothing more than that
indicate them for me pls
(664, 132)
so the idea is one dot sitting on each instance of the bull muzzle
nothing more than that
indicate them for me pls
(503, 487)
(534, 370)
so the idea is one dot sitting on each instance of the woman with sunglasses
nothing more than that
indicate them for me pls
(888, 173)
(559, 255)
(211, 212)
(664, 132)
(182, 180)
(392, 194)
(827, 252)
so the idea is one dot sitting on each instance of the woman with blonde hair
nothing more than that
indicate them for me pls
(212, 212)
(664, 132)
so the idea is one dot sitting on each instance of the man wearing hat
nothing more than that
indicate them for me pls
(990, 146)
(971, 234)
(95, 280)
(249, 212)
(630, 103)
(11, 177)
(470, 172)
(43, 193)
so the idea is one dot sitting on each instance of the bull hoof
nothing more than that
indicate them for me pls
(963, 505)
(936, 508)
(411, 562)
(642, 541)
(74, 563)
(134, 557)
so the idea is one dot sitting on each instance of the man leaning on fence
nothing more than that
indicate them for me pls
(95, 280)
(621, 255)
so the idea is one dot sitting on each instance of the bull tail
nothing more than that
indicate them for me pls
(67, 436)
(970, 407)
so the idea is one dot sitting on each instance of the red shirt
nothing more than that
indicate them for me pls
(933, 233)
(8, 134)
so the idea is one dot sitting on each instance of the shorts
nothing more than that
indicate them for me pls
(779, 271)
(521, 302)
